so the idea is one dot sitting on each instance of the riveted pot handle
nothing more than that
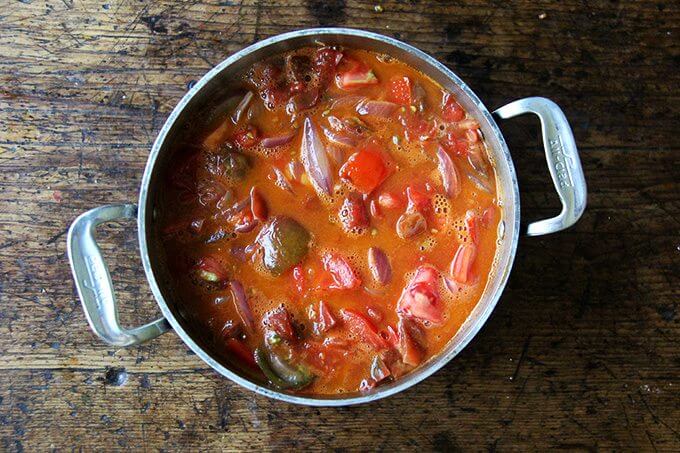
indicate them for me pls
(93, 280)
(563, 161)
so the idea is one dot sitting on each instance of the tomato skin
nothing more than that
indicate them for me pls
(241, 351)
(278, 320)
(357, 75)
(344, 277)
(391, 336)
(322, 318)
(452, 111)
(488, 216)
(362, 327)
(418, 199)
(472, 225)
(399, 90)
(409, 347)
(416, 128)
(420, 299)
(365, 169)
(461, 265)
(455, 145)
(247, 137)
(353, 213)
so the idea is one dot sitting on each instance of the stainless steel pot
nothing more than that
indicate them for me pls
(94, 282)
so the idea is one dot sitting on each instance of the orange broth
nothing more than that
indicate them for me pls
(365, 336)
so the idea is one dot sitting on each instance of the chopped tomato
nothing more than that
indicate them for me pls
(363, 329)
(451, 110)
(353, 212)
(418, 199)
(210, 269)
(472, 225)
(324, 356)
(343, 275)
(258, 205)
(241, 352)
(357, 75)
(400, 90)
(461, 265)
(409, 347)
(365, 169)
(278, 321)
(420, 299)
(455, 145)
(322, 317)
(391, 336)
(488, 216)
(415, 126)
(379, 370)
(247, 137)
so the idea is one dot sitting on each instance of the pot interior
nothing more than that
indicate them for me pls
(202, 105)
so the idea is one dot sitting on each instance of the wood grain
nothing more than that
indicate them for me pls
(582, 351)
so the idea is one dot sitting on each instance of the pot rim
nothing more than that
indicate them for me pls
(424, 370)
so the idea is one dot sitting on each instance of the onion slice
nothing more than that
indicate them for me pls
(273, 142)
(241, 107)
(380, 109)
(314, 159)
(449, 173)
(479, 182)
(338, 138)
(241, 303)
(350, 100)
(281, 180)
(379, 265)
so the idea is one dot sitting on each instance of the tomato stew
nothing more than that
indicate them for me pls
(335, 226)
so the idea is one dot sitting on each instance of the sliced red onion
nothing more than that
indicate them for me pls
(296, 169)
(380, 109)
(241, 302)
(241, 107)
(373, 292)
(451, 285)
(315, 160)
(338, 138)
(238, 207)
(238, 252)
(273, 142)
(449, 173)
(246, 226)
(379, 265)
(350, 100)
(336, 154)
(335, 122)
(281, 180)
(480, 183)
(477, 160)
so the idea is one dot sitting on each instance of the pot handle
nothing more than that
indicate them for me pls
(93, 280)
(563, 161)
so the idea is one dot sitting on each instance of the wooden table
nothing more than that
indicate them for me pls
(583, 351)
